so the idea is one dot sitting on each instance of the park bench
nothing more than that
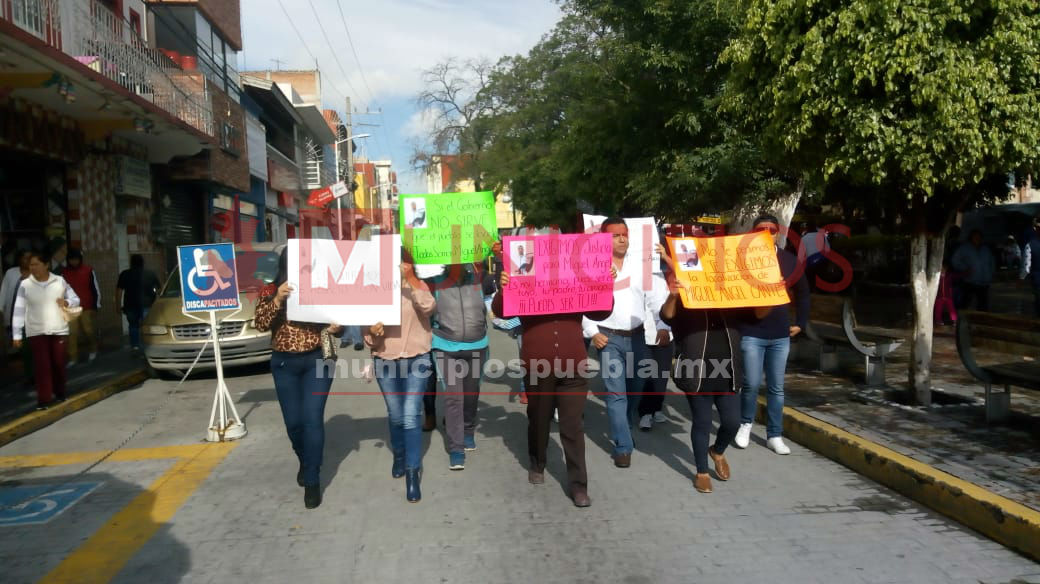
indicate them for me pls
(1015, 337)
(833, 325)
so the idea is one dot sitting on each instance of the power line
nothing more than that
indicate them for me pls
(350, 41)
(304, 42)
(335, 56)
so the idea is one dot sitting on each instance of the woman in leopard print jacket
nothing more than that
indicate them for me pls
(301, 387)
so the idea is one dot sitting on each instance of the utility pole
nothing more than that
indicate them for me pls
(350, 156)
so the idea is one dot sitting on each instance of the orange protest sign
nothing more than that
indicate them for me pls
(737, 271)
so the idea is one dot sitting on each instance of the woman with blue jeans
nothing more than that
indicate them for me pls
(402, 367)
(301, 387)
(765, 343)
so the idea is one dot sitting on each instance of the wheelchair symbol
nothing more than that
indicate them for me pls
(208, 265)
(48, 505)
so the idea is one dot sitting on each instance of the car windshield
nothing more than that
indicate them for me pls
(255, 270)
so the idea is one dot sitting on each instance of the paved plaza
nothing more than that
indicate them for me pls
(168, 508)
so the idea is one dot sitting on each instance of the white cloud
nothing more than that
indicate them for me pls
(395, 39)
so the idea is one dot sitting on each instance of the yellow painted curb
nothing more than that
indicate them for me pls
(998, 518)
(32, 422)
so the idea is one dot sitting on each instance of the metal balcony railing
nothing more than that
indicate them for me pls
(105, 43)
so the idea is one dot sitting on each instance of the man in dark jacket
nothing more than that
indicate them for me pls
(136, 290)
(765, 344)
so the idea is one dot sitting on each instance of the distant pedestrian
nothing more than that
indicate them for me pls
(402, 364)
(8, 290)
(57, 250)
(1011, 254)
(136, 291)
(301, 386)
(707, 338)
(1031, 264)
(974, 260)
(944, 304)
(84, 281)
(39, 308)
(765, 345)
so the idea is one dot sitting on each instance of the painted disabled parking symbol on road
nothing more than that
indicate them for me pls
(36, 504)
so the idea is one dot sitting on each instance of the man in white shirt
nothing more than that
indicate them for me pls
(621, 345)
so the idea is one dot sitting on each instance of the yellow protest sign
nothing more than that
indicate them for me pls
(737, 271)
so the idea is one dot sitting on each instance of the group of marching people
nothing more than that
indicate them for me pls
(443, 331)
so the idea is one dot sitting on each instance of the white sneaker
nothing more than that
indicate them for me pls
(660, 418)
(646, 422)
(777, 445)
(743, 436)
(556, 416)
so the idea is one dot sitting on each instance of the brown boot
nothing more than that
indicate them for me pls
(429, 423)
(721, 466)
(623, 460)
(702, 482)
(580, 497)
(536, 477)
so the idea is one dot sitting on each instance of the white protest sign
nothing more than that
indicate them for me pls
(346, 282)
(639, 248)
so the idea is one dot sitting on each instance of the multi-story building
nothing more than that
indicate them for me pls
(111, 113)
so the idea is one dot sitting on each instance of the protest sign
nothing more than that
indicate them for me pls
(642, 243)
(346, 282)
(556, 274)
(728, 272)
(448, 228)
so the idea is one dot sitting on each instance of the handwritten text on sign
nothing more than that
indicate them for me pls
(728, 272)
(448, 228)
(556, 274)
(345, 282)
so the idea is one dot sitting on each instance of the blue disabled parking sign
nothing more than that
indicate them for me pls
(36, 504)
(209, 280)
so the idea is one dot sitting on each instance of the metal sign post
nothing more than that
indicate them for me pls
(209, 283)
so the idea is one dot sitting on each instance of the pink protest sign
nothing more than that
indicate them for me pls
(556, 274)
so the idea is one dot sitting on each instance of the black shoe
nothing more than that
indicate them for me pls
(299, 475)
(41, 407)
(397, 470)
(312, 496)
(359, 346)
(60, 400)
(412, 477)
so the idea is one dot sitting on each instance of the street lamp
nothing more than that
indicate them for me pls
(350, 174)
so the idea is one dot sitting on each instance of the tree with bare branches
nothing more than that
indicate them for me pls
(457, 117)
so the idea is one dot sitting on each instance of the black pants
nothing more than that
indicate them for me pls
(729, 421)
(975, 292)
(654, 388)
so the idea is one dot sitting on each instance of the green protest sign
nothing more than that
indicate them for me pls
(448, 228)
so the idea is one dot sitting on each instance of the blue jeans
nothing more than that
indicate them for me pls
(769, 355)
(351, 335)
(302, 392)
(613, 367)
(134, 317)
(403, 382)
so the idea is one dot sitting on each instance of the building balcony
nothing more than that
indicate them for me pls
(104, 43)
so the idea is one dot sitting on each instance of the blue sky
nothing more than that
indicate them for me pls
(394, 40)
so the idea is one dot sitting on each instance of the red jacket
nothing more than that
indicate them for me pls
(85, 284)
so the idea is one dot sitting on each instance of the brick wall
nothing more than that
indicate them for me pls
(231, 170)
(226, 15)
(217, 165)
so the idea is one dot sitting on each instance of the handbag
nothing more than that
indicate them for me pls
(71, 313)
(329, 344)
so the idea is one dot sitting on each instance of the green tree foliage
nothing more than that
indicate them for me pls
(924, 98)
(617, 106)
